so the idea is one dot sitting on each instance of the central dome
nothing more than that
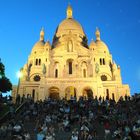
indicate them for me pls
(68, 25)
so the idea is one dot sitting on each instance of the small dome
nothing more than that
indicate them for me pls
(39, 46)
(101, 46)
(69, 25)
(47, 43)
(92, 45)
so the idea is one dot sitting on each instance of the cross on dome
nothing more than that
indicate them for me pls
(42, 34)
(69, 11)
(97, 33)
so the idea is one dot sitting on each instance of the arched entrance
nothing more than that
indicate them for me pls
(70, 92)
(54, 93)
(88, 93)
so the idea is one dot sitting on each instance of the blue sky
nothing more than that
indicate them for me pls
(118, 21)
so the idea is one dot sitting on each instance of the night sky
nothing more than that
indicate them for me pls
(118, 21)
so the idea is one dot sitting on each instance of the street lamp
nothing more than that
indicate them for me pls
(19, 75)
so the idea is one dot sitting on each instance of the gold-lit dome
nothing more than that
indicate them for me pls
(39, 46)
(69, 25)
(92, 45)
(101, 46)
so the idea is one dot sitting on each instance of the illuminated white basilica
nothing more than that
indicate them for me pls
(69, 67)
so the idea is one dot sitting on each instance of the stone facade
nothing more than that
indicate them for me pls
(70, 67)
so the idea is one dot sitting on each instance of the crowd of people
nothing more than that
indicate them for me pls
(85, 119)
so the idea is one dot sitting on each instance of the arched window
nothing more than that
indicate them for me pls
(70, 67)
(107, 94)
(39, 61)
(84, 72)
(103, 61)
(113, 97)
(36, 62)
(100, 61)
(56, 73)
(33, 93)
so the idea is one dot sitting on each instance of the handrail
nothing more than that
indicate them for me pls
(7, 114)
(20, 106)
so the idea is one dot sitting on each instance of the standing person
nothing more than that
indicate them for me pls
(27, 135)
(107, 129)
(40, 135)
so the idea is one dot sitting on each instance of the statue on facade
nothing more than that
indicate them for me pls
(70, 46)
(28, 71)
(43, 69)
(97, 68)
(25, 71)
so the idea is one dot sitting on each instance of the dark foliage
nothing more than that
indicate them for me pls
(84, 41)
(5, 84)
(2, 70)
(55, 40)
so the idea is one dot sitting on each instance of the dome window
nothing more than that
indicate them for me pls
(39, 61)
(56, 73)
(103, 61)
(84, 73)
(104, 78)
(70, 67)
(100, 61)
(36, 62)
(107, 94)
(37, 78)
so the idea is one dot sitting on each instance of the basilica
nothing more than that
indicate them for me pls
(70, 67)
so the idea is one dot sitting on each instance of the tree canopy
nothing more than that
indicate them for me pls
(5, 84)
(2, 70)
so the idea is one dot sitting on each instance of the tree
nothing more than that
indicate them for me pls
(2, 70)
(5, 84)
(84, 41)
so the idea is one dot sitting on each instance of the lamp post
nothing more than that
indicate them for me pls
(19, 75)
(17, 97)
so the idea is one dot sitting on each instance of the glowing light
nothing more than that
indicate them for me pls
(19, 74)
